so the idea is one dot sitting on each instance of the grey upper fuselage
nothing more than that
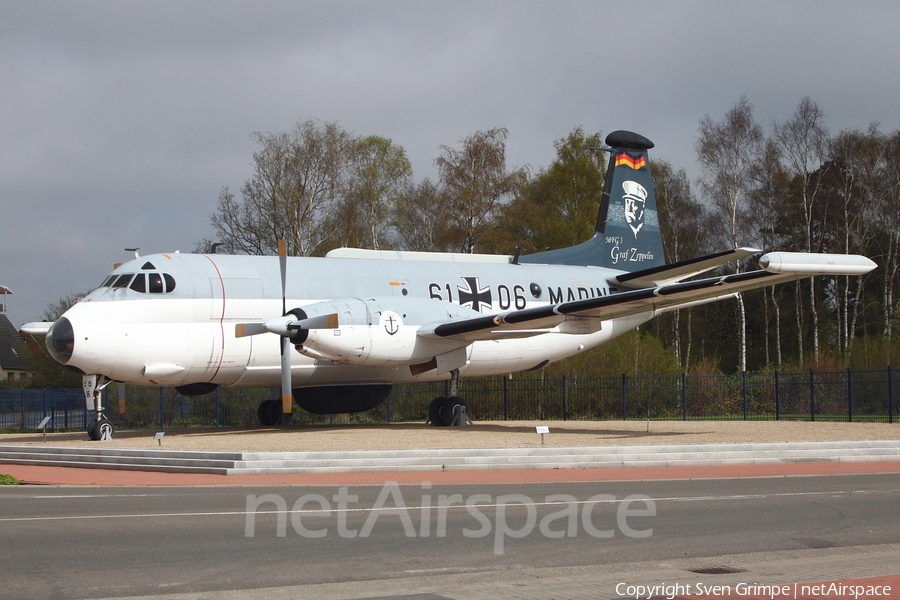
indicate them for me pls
(484, 286)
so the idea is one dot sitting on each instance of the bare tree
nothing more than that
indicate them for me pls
(766, 201)
(803, 140)
(855, 177)
(727, 151)
(419, 218)
(887, 212)
(298, 178)
(683, 237)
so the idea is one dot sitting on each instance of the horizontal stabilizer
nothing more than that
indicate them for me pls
(681, 270)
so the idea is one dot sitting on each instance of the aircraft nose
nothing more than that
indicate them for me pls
(61, 340)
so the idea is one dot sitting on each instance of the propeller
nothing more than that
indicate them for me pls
(287, 395)
(291, 327)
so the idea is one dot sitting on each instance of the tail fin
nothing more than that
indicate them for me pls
(627, 235)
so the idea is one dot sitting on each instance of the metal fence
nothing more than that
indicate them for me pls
(809, 395)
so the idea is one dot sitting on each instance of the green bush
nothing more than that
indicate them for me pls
(8, 480)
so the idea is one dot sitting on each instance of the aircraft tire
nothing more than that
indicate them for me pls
(104, 429)
(434, 412)
(273, 413)
(92, 431)
(447, 408)
(262, 413)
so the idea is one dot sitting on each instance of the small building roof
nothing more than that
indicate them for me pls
(13, 351)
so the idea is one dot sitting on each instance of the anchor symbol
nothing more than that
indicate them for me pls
(391, 325)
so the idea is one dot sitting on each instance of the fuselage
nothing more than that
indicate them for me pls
(169, 319)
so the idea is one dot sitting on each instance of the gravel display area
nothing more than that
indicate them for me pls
(503, 434)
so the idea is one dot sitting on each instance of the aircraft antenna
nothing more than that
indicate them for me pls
(598, 148)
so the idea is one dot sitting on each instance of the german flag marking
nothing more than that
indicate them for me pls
(629, 161)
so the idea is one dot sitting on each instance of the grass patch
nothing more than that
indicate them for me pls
(8, 480)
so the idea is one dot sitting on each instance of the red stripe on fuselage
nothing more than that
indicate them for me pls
(221, 318)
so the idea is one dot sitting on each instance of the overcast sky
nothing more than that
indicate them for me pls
(120, 122)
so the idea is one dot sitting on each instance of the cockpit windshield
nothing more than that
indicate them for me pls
(151, 282)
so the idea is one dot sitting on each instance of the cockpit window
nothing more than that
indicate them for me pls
(156, 285)
(123, 280)
(140, 283)
(148, 266)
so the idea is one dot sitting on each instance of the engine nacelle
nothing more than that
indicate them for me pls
(377, 331)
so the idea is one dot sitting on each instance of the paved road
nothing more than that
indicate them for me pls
(79, 542)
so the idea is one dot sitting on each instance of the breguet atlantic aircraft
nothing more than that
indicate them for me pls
(354, 323)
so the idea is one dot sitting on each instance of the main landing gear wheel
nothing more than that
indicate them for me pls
(100, 429)
(270, 413)
(450, 408)
(434, 411)
(442, 411)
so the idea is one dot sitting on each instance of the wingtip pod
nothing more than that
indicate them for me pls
(820, 264)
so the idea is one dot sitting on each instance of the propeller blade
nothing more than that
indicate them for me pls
(282, 262)
(283, 326)
(247, 329)
(287, 397)
(329, 321)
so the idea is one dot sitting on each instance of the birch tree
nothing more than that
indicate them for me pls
(726, 151)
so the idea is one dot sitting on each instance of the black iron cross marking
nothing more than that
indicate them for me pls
(473, 295)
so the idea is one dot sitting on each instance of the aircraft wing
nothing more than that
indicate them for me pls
(38, 328)
(778, 267)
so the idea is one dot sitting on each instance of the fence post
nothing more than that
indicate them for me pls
(777, 399)
(744, 392)
(506, 398)
(565, 399)
(890, 397)
(812, 396)
(683, 396)
(624, 399)
(849, 396)
(389, 408)
(218, 408)
(162, 414)
(66, 410)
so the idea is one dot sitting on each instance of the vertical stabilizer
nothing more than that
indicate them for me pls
(627, 235)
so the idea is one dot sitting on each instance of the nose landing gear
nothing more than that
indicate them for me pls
(100, 428)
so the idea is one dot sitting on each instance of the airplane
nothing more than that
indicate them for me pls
(336, 333)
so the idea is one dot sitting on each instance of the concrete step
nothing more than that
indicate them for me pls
(448, 459)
